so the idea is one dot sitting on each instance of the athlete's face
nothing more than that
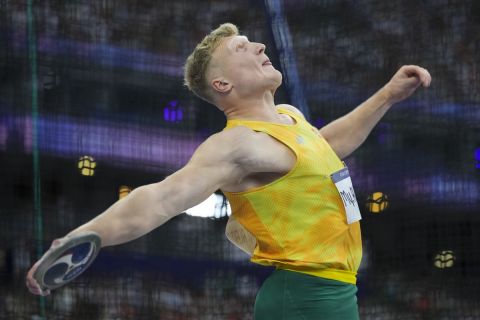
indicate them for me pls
(246, 66)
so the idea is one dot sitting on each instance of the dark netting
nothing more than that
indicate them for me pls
(109, 86)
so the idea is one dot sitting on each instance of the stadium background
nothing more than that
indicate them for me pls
(104, 79)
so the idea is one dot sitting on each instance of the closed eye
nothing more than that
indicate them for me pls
(241, 46)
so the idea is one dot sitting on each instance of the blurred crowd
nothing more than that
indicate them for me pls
(221, 296)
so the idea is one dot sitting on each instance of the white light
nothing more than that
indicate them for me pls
(210, 208)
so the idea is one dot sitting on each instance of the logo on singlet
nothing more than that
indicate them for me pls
(300, 140)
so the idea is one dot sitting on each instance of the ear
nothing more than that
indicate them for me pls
(221, 85)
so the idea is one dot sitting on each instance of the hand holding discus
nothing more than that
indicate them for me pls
(66, 259)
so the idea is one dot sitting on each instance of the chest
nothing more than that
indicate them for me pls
(278, 151)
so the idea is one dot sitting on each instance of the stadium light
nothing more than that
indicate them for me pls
(214, 206)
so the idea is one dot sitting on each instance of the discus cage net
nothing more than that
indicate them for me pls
(92, 105)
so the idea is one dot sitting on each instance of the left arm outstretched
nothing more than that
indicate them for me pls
(347, 133)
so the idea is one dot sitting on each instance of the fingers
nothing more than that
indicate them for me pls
(425, 77)
(35, 288)
(429, 78)
(421, 73)
(56, 243)
(32, 284)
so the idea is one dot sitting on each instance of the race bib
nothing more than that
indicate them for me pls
(345, 189)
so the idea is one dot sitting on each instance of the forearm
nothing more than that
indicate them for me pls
(128, 218)
(347, 133)
(152, 205)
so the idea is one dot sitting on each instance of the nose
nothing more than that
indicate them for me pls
(260, 48)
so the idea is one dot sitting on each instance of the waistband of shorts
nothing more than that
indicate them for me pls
(328, 273)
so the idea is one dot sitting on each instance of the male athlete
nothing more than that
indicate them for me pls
(292, 201)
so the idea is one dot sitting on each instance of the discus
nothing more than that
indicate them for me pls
(66, 262)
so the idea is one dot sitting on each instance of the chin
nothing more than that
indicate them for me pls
(277, 80)
(280, 78)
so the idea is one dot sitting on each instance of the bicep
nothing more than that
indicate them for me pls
(189, 186)
(213, 165)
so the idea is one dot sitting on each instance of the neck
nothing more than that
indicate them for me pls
(253, 108)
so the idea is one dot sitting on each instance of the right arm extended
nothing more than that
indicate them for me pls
(223, 159)
(213, 165)
(150, 206)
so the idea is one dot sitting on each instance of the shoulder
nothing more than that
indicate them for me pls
(230, 137)
(243, 148)
(227, 145)
(290, 108)
(220, 155)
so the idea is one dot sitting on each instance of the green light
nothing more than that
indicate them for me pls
(37, 200)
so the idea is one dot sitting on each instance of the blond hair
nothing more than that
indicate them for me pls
(195, 69)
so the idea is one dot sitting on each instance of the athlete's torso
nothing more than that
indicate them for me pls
(294, 210)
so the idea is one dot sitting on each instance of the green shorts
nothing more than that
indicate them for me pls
(288, 295)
